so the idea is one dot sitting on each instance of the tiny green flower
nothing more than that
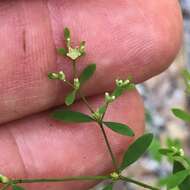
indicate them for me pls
(82, 47)
(174, 149)
(114, 176)
(4, 179)
(96, 116)
(121, 83)
(57, 76)
(109, 98)
(181, 152)
(74, 53)
(76, 83)
(61, 76)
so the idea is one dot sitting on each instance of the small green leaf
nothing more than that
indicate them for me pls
(67, 34)
(71, 116)
(175, 179)
(179, 167)
(181, 114)
(70, 98)
(136, 150)
(120, 128)
(82, 47)
(87, 73)
(108, 187)
(62, 51)
(102, 109)
(16, 187)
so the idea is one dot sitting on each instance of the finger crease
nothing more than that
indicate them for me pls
(19, 152)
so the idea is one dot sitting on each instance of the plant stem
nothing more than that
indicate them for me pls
(74, 178)
(74, 69)
(127, 179)
(99, 122)
(86, 102)
(75, 75)
(109, 147)
(69, 83)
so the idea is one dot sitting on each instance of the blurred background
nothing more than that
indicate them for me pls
(160, 94)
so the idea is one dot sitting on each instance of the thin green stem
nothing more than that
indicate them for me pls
(109, 147)
(127, 179)
(69, 83)
(100, 123)
(74, 69)
(65, 179)
(86, 102)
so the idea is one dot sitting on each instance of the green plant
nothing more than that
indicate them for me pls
(135, 150)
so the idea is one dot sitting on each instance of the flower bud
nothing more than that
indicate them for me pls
(61, 75)
(114, 176)
(53, 76)
(109, 98)
(76, 83)
(3, 179)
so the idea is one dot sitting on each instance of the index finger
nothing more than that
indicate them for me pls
(123, 37)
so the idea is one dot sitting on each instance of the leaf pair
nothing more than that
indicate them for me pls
(78, 117)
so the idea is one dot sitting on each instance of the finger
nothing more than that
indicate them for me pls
(40, 147)
(123, 38)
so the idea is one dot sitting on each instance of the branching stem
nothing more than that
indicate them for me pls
(127, 179)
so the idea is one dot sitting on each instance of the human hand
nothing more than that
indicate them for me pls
(123, 37)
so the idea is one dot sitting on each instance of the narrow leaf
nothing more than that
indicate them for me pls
(62, 51)
(87, 73)
(186, 182)
(175, 179)
(70, 98)
(108, 187)
(16, 187)
(82, 47)
(71, 116)
(181, 114)
(120, 128)
(67, 34)
(136, 150)
(102, 109)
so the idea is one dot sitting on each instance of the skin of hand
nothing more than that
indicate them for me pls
(123, 37)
